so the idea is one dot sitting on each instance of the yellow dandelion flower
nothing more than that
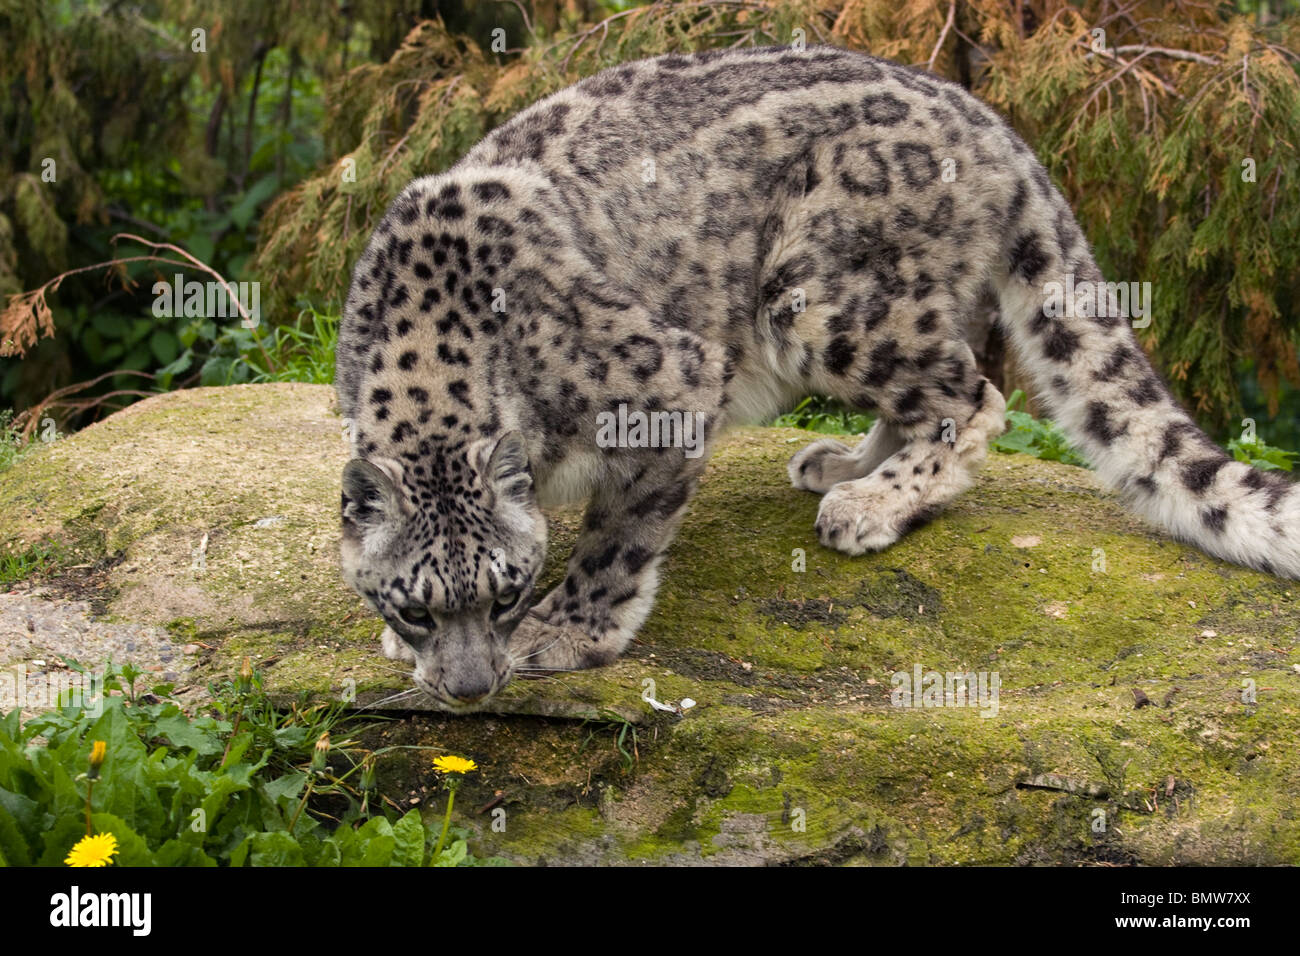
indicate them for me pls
(453, 765)
(97, 850)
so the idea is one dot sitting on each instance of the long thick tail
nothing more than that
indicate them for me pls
(1097, 383)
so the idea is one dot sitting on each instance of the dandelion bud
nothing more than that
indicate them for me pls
(321, 752)
(97, 751)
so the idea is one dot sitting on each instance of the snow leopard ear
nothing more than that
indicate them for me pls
(508, 472)
(369, 496)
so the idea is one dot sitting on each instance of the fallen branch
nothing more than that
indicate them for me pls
(1087, 789)
(27, 317)
(25, 422)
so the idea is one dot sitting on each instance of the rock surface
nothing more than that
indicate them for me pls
(202, 526)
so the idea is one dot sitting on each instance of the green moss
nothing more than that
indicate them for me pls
(793, 751)
(183, 630)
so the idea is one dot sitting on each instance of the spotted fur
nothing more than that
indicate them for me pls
(718, 234)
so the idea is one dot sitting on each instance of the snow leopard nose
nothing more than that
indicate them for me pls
(469, 691)
(468, 664)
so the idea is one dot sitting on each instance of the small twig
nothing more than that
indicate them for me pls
(1272, 199)
(204, 267)
(1127, 65)
(197, 264)
(1256, 115)
(602, 25)
(233, 731)
(1122, 12)
(493, 803)
(305, 797)
(1167, 52)
(578, 39)
(1283, 51)
(34, 301)
(118, 213)
(27, 316)
(523, 12)
(77, 407)
(943, 35)
(25, 422)
(388, 157)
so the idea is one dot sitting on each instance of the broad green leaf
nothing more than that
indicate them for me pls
(26, 814)
(178, 853)
(131, 848)
(183, 733)
(409, 833)
(13, 842)
(285, 789)
(274, 849)
(452, 855)
(164, 346)
(111, 325)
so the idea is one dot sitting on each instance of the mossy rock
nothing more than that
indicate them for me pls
(793, 751)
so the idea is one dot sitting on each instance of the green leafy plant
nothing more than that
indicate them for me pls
(1262, 455)
(245, 784)
(302, 352)
(12, 446)
(20, 565)
(1039, 437)
(623, 731)
(229, 354)
(817, 413)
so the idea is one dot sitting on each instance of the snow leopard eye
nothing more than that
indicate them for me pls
(416, 615)
(505, 603)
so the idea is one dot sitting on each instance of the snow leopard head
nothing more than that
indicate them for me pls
(447, 551)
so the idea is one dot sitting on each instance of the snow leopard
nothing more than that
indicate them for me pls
(711, 236)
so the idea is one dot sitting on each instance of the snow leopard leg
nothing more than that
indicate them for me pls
(938, 462)
(613, 573)
(936, 411)
(640, 497)
(825, 463)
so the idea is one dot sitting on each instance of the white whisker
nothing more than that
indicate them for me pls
(392, 697)
(404, 671)
(542, 650)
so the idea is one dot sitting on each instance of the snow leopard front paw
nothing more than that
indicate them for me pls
(819, 466)
(396, 649)
(537, 645)
(854, 521)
